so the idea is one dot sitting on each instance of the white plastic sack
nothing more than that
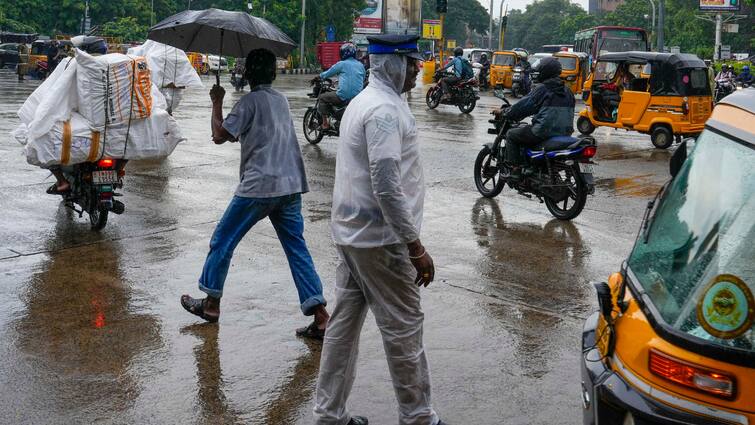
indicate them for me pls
(173, 98)
(52, 102)
(170, 67)
(112, 88)
(75, 141)
(54, 89)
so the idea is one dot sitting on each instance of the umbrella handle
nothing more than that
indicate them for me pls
(220, 58)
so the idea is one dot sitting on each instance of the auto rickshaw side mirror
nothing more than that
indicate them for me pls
(585, 95)
(677, 159)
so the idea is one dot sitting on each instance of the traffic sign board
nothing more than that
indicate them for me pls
(450, 44)
(431, 29)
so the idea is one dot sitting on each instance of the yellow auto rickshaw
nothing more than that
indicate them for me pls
(665, 95)
(198, 62)
(502, 68)
(575, 69)
(673, 340)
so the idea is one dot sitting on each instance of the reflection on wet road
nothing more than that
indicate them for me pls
(92, 330)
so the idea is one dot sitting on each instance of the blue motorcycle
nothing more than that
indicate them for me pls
(559, 171)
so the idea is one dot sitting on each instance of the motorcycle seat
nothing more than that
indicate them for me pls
(558, 143)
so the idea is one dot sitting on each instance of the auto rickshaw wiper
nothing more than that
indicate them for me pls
(647, 223)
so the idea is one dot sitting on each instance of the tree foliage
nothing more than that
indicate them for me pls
(130, 19)
(682, 27)
(463, 20)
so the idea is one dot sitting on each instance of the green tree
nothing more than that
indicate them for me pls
(127, 29)
(464, 18)
(560, 17)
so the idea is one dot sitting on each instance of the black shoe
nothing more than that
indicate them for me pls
(358, 420)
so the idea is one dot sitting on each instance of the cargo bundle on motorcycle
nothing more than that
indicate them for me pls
(93, 107)
(170, 69)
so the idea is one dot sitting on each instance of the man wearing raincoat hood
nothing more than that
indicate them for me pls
(376, 218)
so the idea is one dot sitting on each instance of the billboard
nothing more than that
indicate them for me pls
(720, 5)
(403, 16)
(370, 20)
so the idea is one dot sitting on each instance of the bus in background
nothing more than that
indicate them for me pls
(554, 48)
(604, 39)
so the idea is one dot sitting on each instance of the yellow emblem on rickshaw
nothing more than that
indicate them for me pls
(727, 308)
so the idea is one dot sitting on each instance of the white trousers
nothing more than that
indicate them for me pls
(381, 279)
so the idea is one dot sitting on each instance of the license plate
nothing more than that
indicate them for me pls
(585, 168)
(105, 177)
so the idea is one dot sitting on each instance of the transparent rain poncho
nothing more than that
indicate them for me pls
(379, 189)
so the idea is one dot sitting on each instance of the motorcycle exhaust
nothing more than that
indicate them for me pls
(118, 207)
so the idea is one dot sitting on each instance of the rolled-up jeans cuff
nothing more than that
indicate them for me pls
(211, 292)
(309, 306)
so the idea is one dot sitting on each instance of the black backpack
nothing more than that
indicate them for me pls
(466, 69)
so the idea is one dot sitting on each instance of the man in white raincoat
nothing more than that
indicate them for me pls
(376, 218)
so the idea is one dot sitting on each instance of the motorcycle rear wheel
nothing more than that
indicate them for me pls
(312, 126)
(468, 102)
(577, 195)
(432, 98)
(487, 177)
(98, 218)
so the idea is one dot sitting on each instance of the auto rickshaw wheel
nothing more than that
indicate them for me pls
(662, 137)
(584, 125)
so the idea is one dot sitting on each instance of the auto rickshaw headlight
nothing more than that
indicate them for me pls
(690, 375)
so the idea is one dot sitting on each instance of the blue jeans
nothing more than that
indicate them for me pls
(285, 214)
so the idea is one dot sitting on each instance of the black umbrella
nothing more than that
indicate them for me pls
(221, 32)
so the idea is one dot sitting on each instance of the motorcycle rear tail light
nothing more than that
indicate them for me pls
(690, 375)
(589, 151)
(106, 163)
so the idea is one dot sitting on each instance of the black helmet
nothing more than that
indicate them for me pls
(458, 51)
(548, 68)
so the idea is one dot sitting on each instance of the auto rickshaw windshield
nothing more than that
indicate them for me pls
(504, 60)
(568, 63)
(695, 258)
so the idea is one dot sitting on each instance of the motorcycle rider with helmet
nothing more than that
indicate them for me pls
(550, 103)
(745, 77)
(350, 73)
(726, 74)
(458, 67)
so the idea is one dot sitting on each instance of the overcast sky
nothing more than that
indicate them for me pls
(518, 4)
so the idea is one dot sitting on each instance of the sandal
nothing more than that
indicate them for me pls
(311, 331)
(53, 190)
(196, 307)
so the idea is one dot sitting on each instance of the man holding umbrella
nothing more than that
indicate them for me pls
(272, 181)
(376, 218)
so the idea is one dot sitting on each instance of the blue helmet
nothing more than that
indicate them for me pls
(746, 68)
(348, 50)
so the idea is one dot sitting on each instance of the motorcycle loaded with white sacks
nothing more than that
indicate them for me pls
(541, 158)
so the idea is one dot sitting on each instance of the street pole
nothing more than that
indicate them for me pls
(660, 42)
(442, 36)
(652, 22)
(302, 62)
(503, 26)
(189, 6)
(490, 30)
(152, 13)
(717, 48)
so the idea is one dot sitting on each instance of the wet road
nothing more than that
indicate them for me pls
(92, 331)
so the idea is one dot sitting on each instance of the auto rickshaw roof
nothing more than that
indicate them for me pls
(736, 124)
(678, 60)
(581, 55)
(505, 52)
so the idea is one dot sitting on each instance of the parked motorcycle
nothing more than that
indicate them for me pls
(313, 130)
(723, 89)
(519, 86)
(463, 94)
(559, 172)
(93, 186)
(41, 71)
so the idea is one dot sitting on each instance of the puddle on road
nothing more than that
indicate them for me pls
(641, 186)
